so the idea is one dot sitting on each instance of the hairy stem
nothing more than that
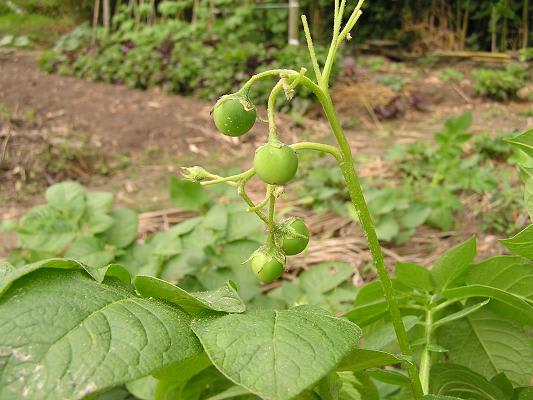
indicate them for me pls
(356, 193)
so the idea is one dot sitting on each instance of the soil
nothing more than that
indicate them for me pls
(129, 141)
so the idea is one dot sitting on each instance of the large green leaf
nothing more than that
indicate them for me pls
(489, 344)
(521, 244)
(458, 381)
(276, 354)
(8, 274)
(224, 299)
(64, 336)
(453, 263)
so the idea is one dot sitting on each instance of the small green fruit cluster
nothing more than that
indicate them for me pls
(268, 265)
(274, 163)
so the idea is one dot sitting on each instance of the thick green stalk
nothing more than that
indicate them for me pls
(425, 359)
(356, 193)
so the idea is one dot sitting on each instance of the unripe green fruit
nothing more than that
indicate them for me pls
(296, 244)
(234, 115)
(267, 268)
(275, 164)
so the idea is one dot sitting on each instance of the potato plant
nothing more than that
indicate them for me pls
(69, 330)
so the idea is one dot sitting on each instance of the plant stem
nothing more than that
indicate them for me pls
(425, 359)
(356, 193)
(272, 132)
(311, 48)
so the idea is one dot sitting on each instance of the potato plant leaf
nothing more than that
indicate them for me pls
(524, 142)
(8, 275)
(414, 276)
(124, 229)
(489, 344)
(224, 299)
(64, 336)
(457, 380)
(276, 354)
(453, 263)
(521, 309)
(361, 359)
(521, 244)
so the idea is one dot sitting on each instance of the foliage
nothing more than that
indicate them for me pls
(178, 56)
(75, 330)
(74, 223)
(39, 29)
(432, 180)
(500, 84)
(451, 74)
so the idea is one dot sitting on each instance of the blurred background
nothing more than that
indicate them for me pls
(116, 95)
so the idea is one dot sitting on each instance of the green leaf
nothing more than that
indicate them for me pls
(520, 308)
(510, 274)
(329, 387)
(370, 304)
(489, 344)
(460, 314)
(415, 216)
(453, 263)
(324, 277)
(67, 197)
(390, 377)
(276, 354)
(457, 380)
(187, 195)
(414, 276)
(524, 142)
(521, 244)
(44, 229)
(62, 334)
(439, 397)
(98, 222)
(504, 384)
(243, 225)
(387, 228)
(524, 393)
(124, 229)
(90, 251)
(99, 201)
(385, 334)
(361, 359)
(9, 275)
(234, 391)
(225, 299)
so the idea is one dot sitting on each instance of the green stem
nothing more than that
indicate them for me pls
(272, 132)
(425, 359)
(356, 193)
(324, 148)
(311, 48)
